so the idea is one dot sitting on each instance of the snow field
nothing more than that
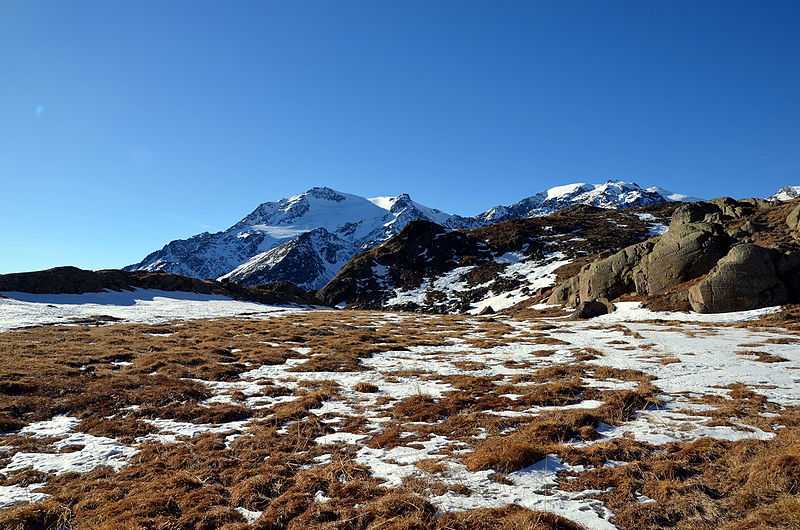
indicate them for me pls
(139, 305)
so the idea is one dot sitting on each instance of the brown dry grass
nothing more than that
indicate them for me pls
(197, 483)
(706, 484)
(763, 357)
(368, 388)
(545, 434)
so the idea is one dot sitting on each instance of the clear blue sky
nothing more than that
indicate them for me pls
(124, 125)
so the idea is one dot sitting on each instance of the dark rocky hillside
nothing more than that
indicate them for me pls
(72, 280)
(427, 267)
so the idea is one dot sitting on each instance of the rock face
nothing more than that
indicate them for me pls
(607, 278)
(746, 278)
(793, 219)
(686, 251)
(708, 258)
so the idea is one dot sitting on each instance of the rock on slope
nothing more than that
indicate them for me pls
(428, 267)
(718, 256)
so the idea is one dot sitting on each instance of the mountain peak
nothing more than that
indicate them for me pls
(324, 193)
(316, 230)
(610, 194)
(786, 193)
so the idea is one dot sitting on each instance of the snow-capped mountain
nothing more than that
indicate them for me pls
(308, 261)
(350, 223)
(611, 194)
(307, 238)
(786, 193)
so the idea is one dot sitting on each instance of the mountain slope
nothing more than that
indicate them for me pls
(430, 268)
(309, 261)
(268, 244)
(352, 223)
(72, 280)
(786, 193)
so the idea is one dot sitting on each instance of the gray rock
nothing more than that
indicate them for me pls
(733, 209)
(793, 219)
(685, 252)
(746, 278)
(593, 308)
(696, 212)
(608, 278)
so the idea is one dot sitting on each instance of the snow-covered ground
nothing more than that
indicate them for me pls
(703, 361)
(529, 273)
(633, 311)
(139, 305)
(533, 274)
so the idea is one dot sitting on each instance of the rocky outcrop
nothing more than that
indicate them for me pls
(608, 278)
(686, 251)
(707, 258)
(746, 278)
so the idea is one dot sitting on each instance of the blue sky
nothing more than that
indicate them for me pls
(124, 125)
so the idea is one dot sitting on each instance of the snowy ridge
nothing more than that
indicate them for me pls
(786, 193)
(611, 194)
(242, 252)
(309, 261)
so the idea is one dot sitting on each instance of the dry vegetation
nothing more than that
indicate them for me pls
(114, 378)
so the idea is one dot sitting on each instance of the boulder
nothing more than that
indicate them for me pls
(685, 252)
(746, 278)
(565, 294)
(614, 276)
(733, 209)
(608, 278)
(696, 212)
(593, 308)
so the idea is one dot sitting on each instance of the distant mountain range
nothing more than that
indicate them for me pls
(306, 239)
(786, 193)
(613, 194)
